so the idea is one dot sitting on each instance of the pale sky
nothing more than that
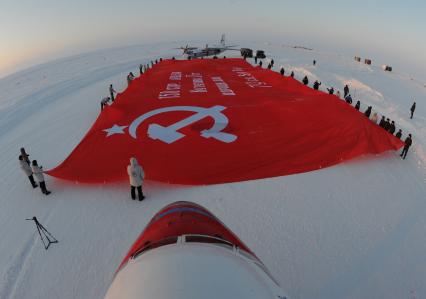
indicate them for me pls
(36, 31)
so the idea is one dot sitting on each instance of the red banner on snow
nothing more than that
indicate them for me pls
(216, 121)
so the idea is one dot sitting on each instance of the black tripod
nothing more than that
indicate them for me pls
(42, 231)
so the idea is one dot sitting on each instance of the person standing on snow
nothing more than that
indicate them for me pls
(38, 173)
(292, 74)
(407, 145)
(316, 85)
(398, 134)
(112, 92)
(382, 122)
(387, 124)
(375, 118)
(272, 62)
(413, 107)
(368, 112)
(260, 63)
(25, 156)
(28, 171)
(357, 105)
(104, 102)
(330, 90)
(130, 78)
(140, 69)
(338, 94)
(282, 71)
(392, 127)
(136, 178)
(348, 99)
(305, 80)
(346, 90)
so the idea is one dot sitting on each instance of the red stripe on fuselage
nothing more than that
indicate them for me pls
(182, 218)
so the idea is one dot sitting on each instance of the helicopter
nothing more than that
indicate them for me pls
(196, 52)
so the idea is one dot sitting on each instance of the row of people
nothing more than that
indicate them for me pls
(130, 77)
(385, 123)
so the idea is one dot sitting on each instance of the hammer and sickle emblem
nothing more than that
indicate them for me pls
(170, 134)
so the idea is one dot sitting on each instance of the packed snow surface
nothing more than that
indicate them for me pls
(355, 230)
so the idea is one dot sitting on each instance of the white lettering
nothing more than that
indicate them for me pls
(222, 86)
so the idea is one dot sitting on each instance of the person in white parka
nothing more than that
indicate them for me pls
(38, 173)
(26, 168)
(136, 178)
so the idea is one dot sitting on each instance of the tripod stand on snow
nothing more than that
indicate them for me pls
(45, 235)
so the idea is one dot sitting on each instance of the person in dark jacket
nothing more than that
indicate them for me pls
(314, 62)
(407, 145)
(357, 105)
(305, 80)
(330, 90)
(292, 74)
(348, 99)
(255, 59)
(272, 62)
(104, 102)
(269, 66)
(38, 173)
(26, 168)
(345, 90)
(368, 112)
(130, 78)
(413, 107)
(392, 127)
(112, 92)
(282, 71)
(382, 122)
(316, 85)
(398, 134)
(387, 124)
(140, 69)
(260, 63)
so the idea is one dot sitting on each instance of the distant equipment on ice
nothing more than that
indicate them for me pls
(260, 54)
(366, 60)
(246, 52)
(387, 68)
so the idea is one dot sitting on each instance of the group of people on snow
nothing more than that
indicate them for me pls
(135, 171)
(385, 123)
(130, 77)
(33, 170)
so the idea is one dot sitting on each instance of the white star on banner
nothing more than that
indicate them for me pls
(115, 129)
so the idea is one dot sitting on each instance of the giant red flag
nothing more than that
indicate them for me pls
(220, 120)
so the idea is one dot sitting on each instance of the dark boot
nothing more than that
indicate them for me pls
(132, 192)
(33, 183)
(140, 194)
(43, 187)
